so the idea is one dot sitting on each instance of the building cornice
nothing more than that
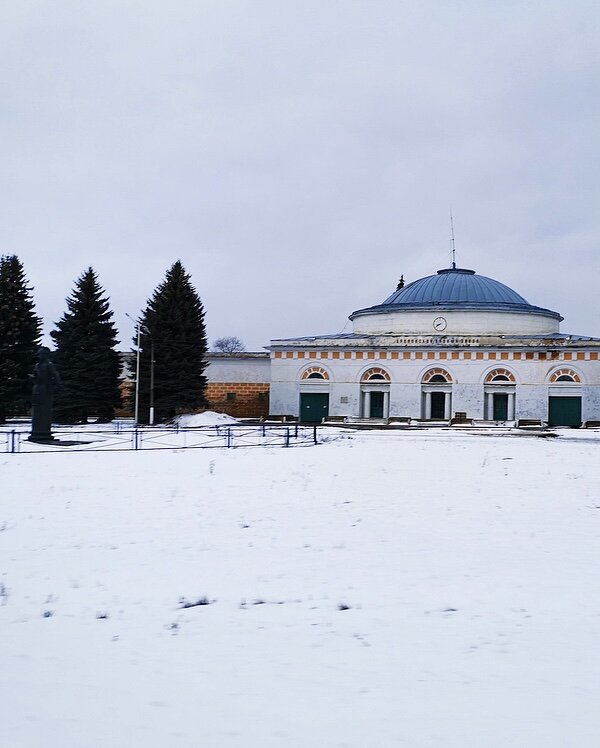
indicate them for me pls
(357, 341)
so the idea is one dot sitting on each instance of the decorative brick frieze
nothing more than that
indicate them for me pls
(441, 355)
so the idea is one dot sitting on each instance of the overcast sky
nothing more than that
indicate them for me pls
(299, 155)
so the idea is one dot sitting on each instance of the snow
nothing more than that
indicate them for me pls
(469, 565)
(208, 418)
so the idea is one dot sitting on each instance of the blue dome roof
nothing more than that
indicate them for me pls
(455, 285)
(456, 288)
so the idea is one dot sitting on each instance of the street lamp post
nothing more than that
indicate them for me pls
(151, 414)
(138, 328)
(137, 369)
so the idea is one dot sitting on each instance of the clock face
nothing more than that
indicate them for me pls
(439, 324)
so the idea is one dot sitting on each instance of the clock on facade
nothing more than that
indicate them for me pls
(439, 324)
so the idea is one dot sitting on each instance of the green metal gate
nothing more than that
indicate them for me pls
(564, 411)
(314, 406)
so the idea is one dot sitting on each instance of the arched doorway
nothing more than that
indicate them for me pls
(314, 395)
(499, 395)
(564, 398)
(436, 395)
(375, 393)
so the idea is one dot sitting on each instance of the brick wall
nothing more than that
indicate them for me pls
(126, 388)
(251, 398)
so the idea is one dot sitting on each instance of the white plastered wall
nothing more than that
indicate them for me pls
(239, 369)
(532, 388)
(476, 322)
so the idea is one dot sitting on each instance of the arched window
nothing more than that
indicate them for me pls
(500, 376)
(565, 375)
(434, 376)
(315, 372)
(376, 375)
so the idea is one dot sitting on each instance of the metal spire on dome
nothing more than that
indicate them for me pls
(452, 241)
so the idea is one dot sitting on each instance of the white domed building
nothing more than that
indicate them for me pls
(453, 344)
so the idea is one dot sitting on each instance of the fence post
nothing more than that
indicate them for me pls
(315, 434)
(135, 439)
(228, 437)
(296, 431)
(287, 437)
(12, 440)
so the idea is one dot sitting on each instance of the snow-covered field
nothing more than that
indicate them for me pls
(380, 590)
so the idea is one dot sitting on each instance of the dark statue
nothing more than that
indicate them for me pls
(45, 381)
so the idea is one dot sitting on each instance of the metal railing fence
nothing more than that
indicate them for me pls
(122, 439)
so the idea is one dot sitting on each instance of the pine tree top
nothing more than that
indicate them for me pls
(88, 311)
(175, 304)
(17, 308)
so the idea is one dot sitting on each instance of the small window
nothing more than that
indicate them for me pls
(437, 375)
(231, 396)
(376, 374)
(263, 396)
(565, 375)
(315, 372)
(500, 376)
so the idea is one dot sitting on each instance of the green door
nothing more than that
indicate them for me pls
(564, 411)
(438, 406)
(314, 406)
(376, 404)
(500, 406)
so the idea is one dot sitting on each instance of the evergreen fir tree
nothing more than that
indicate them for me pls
(173, 324)
(20, 331)
(85, 355)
